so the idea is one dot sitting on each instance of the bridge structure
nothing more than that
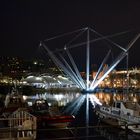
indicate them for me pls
(64, 60)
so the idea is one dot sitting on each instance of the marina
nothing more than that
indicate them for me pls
(45, 116)
(70, 70)
(75, 130)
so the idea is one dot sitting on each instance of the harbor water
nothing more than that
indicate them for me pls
(78, 128)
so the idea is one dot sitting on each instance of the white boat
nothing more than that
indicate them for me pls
(122, 113)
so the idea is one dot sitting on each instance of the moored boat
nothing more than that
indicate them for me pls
(13, 101)
(121, 113)
(50, 116)
(46, 115)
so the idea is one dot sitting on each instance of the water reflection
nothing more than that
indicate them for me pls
(108, 98)
(62, 99)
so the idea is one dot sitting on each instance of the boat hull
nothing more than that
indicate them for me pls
(55, 121)
(118, 120)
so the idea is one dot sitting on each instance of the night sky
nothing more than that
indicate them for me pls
(24, 23)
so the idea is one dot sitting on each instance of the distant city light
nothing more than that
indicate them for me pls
(35, 62)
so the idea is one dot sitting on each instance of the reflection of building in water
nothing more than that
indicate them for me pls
(54, 99)
(108, 98)
(62, 99)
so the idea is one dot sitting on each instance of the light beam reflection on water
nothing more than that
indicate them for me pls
(64, 99)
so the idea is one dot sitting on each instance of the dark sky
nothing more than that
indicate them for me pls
(25, 22)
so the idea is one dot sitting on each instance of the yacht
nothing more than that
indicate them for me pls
(121, 113)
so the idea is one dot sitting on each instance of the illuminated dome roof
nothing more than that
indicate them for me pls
(62, 79)
(57, 79)
(33, 79)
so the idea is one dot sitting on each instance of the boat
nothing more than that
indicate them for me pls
(13, 101)
(50, 115)
(46, 115)
(15, 116)
(121, 113)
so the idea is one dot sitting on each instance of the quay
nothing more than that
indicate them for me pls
(99, 132)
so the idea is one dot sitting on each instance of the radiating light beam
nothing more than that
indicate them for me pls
(75, 68)
(115, 63)
(99, 70)
(94, 100)
(73, 104)
(60, 65)
(78, 106)
(72, 72)
(87, 60)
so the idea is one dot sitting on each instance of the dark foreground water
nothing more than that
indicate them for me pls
(76, 130)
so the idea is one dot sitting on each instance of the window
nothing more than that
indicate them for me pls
(118, 105)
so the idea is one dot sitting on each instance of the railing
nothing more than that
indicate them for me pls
(19, 125)
(102, 132)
